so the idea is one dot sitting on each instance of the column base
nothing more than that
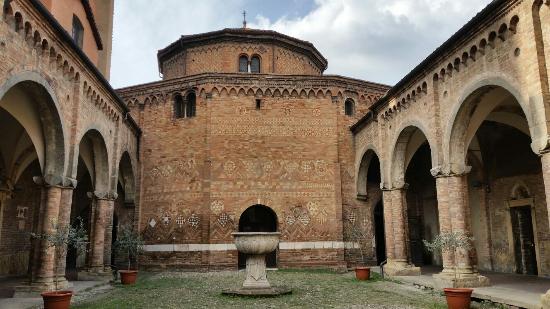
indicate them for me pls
(34, 289)
(95, 274)
(545, 300)
(447, 279)
(401, 268)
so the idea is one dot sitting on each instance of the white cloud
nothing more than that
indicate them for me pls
(377, 40)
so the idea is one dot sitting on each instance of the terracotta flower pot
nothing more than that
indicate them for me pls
(362, 273)
(57, 299)
(128, 276)
(458, 298)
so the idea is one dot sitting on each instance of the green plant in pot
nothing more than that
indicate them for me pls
(61, 238)
(457, 298)
(362, 271)
(131, 244)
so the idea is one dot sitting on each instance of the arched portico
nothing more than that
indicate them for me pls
(34, 189)
(475, 184)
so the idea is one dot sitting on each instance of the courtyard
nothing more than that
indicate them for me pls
(311, 289)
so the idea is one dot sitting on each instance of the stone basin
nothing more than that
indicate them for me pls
(256, 242)
(256, 245)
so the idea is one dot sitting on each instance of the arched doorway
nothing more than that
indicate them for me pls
(81, 209)
(412, 161)
(422, 211)
(379, 235)
(124, 211)
(258, 218)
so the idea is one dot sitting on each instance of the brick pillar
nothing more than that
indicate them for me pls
(43, 276)
(443, 208)
(454, 216)
(545, 160)
(64, 219)
(388, 225)
(108, 234)
(98, 236)
(396, 213)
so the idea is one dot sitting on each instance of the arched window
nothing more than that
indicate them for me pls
(179, 107)
(78, 32)
(243, 64)
(190, 106)
(349, 107)
(255, 64)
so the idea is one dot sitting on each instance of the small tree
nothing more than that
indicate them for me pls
(129, 242)
(449, 242)
(63, 237)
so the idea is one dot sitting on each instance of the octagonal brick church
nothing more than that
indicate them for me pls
(245, 132)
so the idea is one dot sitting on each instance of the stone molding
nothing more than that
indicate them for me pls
(229, 247)
(450, 170)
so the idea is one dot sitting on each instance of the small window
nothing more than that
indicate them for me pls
(78, 32)
(190, 106)
(255, 65)
(258, 103)
(349, 107)
(179, 107)
(243, 64)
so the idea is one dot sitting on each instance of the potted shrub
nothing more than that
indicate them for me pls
(61, 238)
(362, 272)
(131, 244)
(457, 298)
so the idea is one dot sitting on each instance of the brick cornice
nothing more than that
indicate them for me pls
(294, 82)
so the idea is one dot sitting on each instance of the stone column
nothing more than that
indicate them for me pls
(98, 236)
(545, 160)
(454, 213)
(399, 264)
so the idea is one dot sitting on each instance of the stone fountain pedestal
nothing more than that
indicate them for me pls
(256, 245)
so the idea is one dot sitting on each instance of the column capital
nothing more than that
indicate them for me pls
(103, 195)
(450, 170)
(55, 180)
(398, 185)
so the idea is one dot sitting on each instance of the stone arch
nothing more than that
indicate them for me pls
(410, 137)
(126, 176)
(92, 148)
(520, 191)
(460, 128)
(363, 166)
(35, 106)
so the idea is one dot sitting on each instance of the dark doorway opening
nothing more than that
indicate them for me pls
(379, 237)
(524, 240)
(422, 213)
(113, 240)
(258, 218)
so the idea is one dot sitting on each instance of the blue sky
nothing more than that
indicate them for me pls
(376, 40)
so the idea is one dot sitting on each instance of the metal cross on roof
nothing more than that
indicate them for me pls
(244, 19)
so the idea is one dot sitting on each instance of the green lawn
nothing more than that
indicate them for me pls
(311, 289)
